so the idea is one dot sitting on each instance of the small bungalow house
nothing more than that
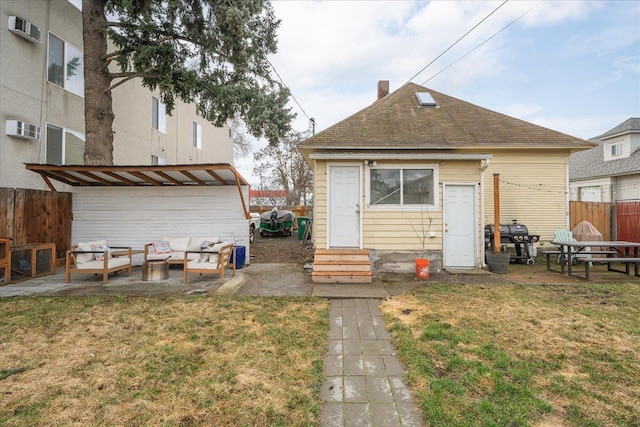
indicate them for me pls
(413, 174)
(609, 172)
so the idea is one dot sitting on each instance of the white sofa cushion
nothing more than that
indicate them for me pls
(213, 258)
(173, 256)
(196, 242)
(87, 247)
(111, 262)
(203, 265)
(82, 258)
(177, 244)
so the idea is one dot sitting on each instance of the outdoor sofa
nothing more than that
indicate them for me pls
(213, 259)
(97, 257)
(177, 250)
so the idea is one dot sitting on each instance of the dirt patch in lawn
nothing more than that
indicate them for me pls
(281, 249)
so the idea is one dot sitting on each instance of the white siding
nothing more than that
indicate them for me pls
(627, 187)
(137, 216)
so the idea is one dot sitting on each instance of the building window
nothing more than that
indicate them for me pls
(616, 149)
(158, 115)
(155, 160)
(64, 146)
(402, 187)
(197, 135)
(65, 67)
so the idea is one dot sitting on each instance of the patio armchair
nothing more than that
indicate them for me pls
(565, 235)
(214, 259)
(96, 257)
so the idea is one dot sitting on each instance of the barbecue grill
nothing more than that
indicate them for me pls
(516, 235)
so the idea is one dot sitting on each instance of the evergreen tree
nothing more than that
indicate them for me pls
(210, 52)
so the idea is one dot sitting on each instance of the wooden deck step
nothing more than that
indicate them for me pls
(341, 277)
(341, 266)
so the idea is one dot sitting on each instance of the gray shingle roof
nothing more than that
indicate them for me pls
(632, 124)
(591, 164)
(398, 122)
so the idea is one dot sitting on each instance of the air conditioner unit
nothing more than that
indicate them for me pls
(22, 130)
(24, 29)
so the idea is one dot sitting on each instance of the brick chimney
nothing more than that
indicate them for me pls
(383, 88)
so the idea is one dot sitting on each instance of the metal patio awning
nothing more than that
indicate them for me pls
(216, 174)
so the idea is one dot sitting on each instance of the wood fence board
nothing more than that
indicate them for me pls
(35, 216)
(598, 214)
(628, 220)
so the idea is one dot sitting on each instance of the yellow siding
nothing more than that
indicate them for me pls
(320, 205)
(394, 229)
(532, 190)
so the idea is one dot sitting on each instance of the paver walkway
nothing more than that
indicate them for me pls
(364, 379)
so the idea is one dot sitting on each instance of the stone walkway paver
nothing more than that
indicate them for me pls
(364, 383)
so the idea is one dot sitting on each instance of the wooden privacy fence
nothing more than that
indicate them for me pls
(598, 214)
(628, 221)
(36, 216)
(619, 221)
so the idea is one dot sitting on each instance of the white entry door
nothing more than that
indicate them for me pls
(344, 207)
(459, 228)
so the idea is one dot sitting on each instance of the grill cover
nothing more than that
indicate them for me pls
(586, 232)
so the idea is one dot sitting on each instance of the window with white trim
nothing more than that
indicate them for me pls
(65, 66)
(616, 149)
(64, 146)
(197, 135)
(158, 115)
(407, 186)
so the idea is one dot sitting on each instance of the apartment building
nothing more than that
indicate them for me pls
(42, 105)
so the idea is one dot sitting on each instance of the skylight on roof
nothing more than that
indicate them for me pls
(425, 99)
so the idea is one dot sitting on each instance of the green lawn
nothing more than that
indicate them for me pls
(161, 361)
(506, 355)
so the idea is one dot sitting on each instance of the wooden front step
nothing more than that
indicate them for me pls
(341, 266)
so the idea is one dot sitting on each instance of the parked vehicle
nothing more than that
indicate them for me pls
(254, 225)
(276, 223)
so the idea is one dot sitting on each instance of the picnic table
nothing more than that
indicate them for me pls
(615, 252)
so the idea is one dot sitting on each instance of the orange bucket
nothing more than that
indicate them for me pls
(422, 268)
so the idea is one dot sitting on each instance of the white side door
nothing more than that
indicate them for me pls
(459, 226)
(344, 207)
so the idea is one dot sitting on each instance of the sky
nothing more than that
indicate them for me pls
(571, 66)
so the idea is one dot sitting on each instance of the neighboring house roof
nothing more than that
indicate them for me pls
(397, 121)
(591, 164)
(629, 125)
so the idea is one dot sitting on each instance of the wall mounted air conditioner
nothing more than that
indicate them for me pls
(24, 29)
(22, 130)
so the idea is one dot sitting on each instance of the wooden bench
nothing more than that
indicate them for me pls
(610, 260)
(584, 254)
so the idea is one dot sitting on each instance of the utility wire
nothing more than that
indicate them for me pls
(457, 41)
(478, 46)
(284, 84)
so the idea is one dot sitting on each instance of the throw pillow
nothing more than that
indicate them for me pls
(100, 248)
(162, 247)
(204, 246)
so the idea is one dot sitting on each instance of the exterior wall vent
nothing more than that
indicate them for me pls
(22, 130)
(24, 29)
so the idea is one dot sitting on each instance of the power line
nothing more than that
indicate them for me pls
(478, 46)
(290, 92)
(457, 41)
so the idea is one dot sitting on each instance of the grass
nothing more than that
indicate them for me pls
(161, 361)
(510, 355)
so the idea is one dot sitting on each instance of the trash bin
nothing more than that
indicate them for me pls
(302, 226)
(241, 253)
